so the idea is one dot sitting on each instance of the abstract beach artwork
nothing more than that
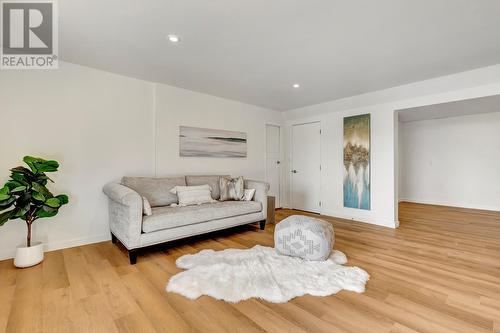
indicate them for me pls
(204, 142)
(357, 162)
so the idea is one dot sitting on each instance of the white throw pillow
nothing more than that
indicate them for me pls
(146, 207)
(193, 195)
(249, 193)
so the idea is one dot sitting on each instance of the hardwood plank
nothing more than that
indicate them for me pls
(112, 288)
(6, 300)
(26, 308)
(54, 271)
(153, 304)
(81, 282)
(265, 317)
(134, 322)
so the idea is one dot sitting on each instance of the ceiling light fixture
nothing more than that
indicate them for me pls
(174, 38)
(296, 85)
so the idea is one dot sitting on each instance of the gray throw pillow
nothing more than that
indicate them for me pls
(231, 188)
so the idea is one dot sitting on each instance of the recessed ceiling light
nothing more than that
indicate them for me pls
(296, 85)
(174, 38)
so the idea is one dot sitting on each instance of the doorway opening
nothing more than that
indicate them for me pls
(448, 154)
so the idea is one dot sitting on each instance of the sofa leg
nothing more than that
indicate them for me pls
(113, 239)
(132, 254)
(262, 224)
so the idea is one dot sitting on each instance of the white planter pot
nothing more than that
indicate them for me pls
(29, 256)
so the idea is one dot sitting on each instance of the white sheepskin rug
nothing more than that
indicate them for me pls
(235, 275)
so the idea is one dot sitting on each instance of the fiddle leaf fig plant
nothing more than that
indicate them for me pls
(25, 195)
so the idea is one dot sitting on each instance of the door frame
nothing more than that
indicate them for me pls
(290, 176)
(281, 155)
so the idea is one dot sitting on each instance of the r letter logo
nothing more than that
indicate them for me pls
(29, 35)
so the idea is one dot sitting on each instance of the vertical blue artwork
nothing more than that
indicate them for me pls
(357, 162)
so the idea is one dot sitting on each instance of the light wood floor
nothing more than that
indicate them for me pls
(439, 272)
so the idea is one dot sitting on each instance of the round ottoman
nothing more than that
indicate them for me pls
(305, 237)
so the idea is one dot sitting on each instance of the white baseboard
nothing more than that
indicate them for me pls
(64, 244)
(382, 223)
(450, 204)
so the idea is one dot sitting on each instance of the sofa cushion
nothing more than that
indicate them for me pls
(213, 181)
(156, 190)
(172, 217)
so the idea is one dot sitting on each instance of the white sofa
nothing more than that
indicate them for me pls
(135, 230)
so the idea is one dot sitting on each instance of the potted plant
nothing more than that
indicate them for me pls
(25, 196)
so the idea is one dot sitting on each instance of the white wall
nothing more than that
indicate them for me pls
(176, 107)
(452, 161)
(384, 126)
(99, 126)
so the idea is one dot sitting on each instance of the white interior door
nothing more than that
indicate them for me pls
(306, 167)
(273, 168)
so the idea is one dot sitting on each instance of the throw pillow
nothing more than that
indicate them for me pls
(231, 188)
(249, 193)
(146, 207)
(193, 195)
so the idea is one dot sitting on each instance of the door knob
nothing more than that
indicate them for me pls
(278, 162)
(294, 171)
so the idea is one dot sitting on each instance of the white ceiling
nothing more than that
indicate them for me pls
(452, 109)
(254, 50)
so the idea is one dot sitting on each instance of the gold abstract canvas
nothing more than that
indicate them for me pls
(357, 162)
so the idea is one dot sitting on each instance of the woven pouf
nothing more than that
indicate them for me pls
(305, 237)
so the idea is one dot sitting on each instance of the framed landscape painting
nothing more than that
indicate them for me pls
(204, 142)
(357, 162)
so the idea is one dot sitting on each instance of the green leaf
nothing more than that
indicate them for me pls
(4, 197)
(12, 184)
(31, 161)
(39, 165)
(4, 190)
(20, 178)
(4, 204)
(38, 196)
(23, 170)
(47, 166)
(44, 177)
(63, 199)
(53, 202)
(5, 216)
(20, 212)
(48, 209)
(42, 213)
(41, 189)
(18, 189)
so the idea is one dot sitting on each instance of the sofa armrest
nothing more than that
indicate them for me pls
(122, 194)
(261, 189)
(125, 214)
